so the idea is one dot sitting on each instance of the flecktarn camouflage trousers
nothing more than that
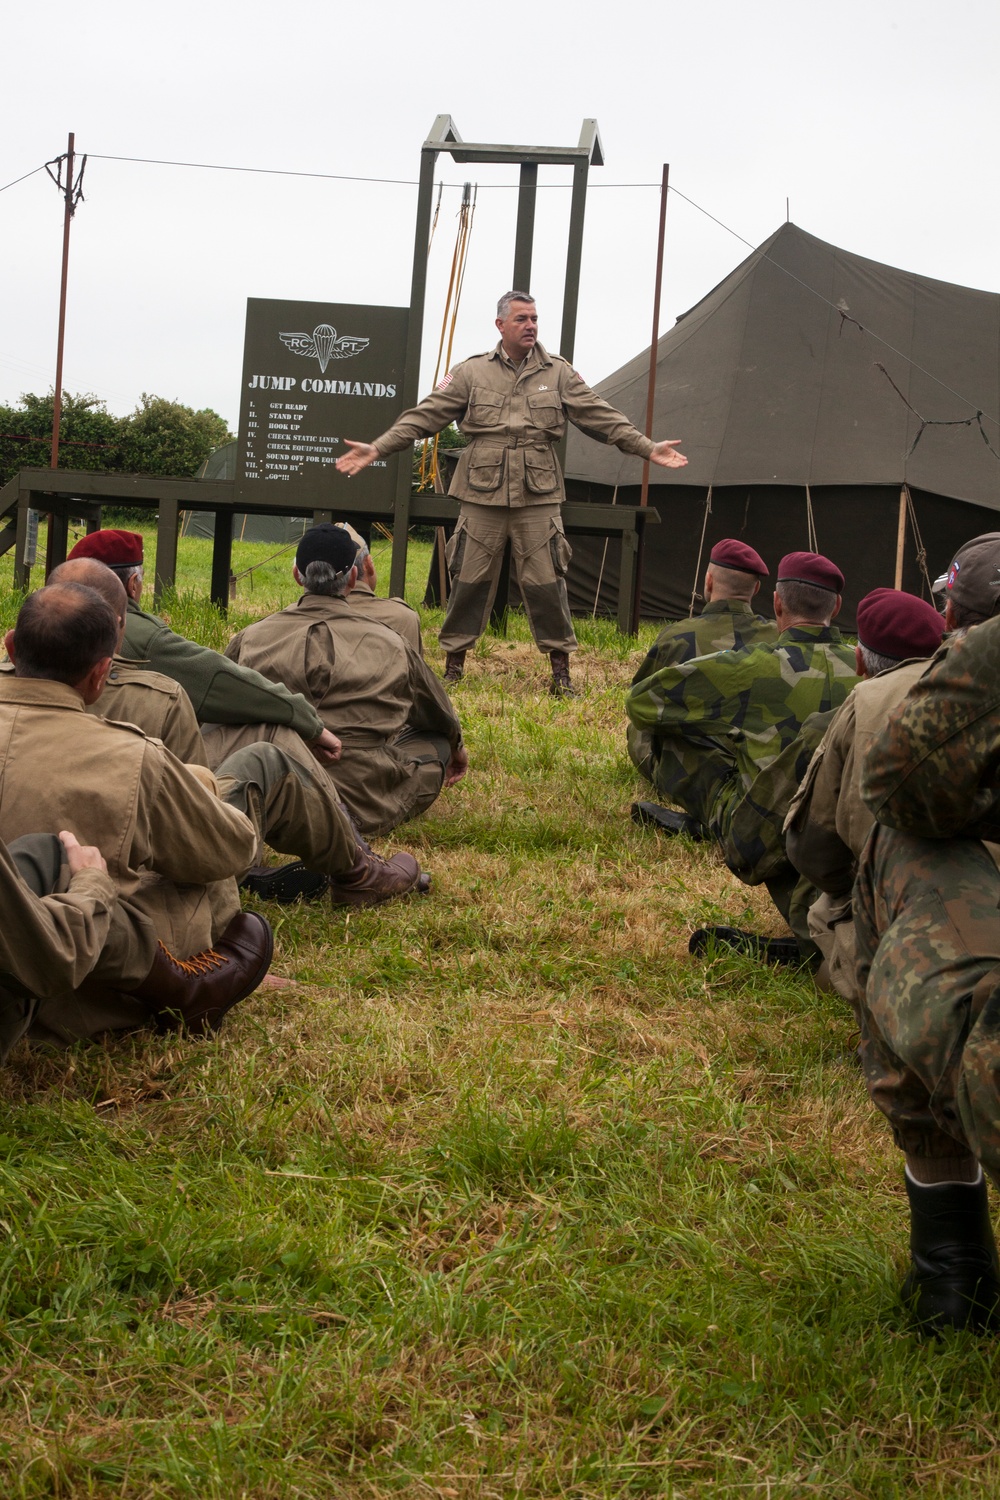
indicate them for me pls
(928, 935)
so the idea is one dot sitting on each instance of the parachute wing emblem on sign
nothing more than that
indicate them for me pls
(323, 344)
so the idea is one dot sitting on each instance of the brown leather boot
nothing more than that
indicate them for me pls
(193, 994)
(454, 666)
(373, 880)
(561, 686)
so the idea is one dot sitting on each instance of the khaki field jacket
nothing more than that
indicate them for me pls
(513, 417)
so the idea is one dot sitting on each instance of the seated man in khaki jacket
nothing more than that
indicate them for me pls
(396, 613)
(828, 823)
(171, 846)
(293, 805)
(401, 738)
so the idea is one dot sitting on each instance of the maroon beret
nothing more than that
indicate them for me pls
(899, 625)
(732, 554)
(117, 549)
(810, 567)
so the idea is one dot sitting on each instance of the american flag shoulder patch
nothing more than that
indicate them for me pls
(443, 385)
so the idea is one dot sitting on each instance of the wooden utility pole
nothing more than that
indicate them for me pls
(71, 187)
(650, 395)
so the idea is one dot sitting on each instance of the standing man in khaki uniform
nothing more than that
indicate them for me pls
(512, 404)
(400, 736)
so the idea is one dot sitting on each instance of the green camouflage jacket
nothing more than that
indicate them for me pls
(752, 702)
(723, 625)
(934, 770)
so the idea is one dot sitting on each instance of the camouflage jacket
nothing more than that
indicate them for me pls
(750, 704)
(723, 625)
(513, 416)
(934, 770)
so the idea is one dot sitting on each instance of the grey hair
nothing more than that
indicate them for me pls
(503, 306)
(964, 617)
(125, 571)
(876, 661)
(322, 578)
(806, 600)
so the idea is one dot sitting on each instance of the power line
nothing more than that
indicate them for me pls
(211, 166)
(512, 187)
(22, 179)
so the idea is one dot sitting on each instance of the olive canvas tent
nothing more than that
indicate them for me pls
(796, 438)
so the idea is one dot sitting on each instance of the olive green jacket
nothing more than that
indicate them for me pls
(513, 417)
(221, 692)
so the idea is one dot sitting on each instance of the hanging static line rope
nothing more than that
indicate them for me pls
(604, 558)
(921, 554)
(701, 549)
(811, 522)
(456, 281)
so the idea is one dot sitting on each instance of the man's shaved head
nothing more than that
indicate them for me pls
(97, 576)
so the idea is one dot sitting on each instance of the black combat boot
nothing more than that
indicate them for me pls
(286, 883)
(454, 666)
(561, 686)
(768, 950)
(954, 1278)
(655, 816)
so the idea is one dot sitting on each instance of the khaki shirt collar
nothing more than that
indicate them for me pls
(538, 359)
(323, 604)
(362, 588)
(39, 692)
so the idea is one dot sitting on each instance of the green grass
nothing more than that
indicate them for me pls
(504, 1195)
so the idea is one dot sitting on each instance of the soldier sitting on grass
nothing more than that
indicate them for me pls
(928, 935)
(727, 623)
(401, 737)
(291, 801)
(722, 720)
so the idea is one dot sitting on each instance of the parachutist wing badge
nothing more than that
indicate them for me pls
(323, 344)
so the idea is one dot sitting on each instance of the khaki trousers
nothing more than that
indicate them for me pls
(540, 554)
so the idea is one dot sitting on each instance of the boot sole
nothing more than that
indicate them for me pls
(420, 887)
(292, 882)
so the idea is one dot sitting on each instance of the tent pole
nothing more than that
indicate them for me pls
(900, 538)
(650, 395)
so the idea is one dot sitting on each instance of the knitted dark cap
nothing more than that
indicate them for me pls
(327, 543)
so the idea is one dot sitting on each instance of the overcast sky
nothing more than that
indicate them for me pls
(877, 120)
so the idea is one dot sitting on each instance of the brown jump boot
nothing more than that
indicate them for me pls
(373, 879)
(454, 666)
(561, 686)
(193, 994)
